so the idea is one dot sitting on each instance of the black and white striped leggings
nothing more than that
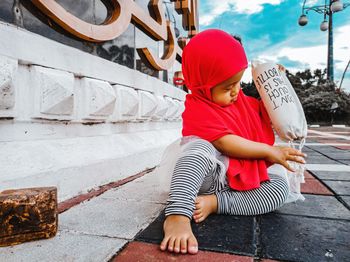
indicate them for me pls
(197, 172)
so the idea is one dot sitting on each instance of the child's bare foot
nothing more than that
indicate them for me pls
(178, 236)
(205, 205)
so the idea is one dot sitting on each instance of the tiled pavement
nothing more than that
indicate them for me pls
(318, 229)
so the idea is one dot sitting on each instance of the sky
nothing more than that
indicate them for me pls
(270, 32)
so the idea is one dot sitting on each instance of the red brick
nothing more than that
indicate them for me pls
(313, 186)
(146, 252)
(334, 140)
(307, 175)
(343, 147)
(331, 129)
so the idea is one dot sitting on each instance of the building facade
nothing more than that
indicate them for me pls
(86, 92)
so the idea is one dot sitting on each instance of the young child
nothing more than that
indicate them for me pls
(228, 145)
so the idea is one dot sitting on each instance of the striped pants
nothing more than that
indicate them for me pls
(198, 171)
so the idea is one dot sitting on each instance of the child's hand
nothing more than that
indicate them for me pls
(281, 68)
(282, 154)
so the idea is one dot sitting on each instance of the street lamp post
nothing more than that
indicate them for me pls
(329, 7)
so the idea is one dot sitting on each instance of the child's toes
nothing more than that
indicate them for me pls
(164, 244)
(196, 216)
(198, 206)
(177, 245)
(183, 244)
(197, 212)
(192, 245)
(171, 244)
(198, 219)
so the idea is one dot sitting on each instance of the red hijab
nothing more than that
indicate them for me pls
(210, 58)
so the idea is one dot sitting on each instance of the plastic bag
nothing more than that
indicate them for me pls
(280, 100)
(293, 181)
(286, 114)
(176, 149)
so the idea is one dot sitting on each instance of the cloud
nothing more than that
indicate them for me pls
(308, 57)
(312, 56)
(252, 6)
(212, 9)
(298, 57)
(290, 63)
(341, 50)
(309, 2)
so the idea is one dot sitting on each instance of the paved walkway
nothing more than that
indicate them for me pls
(117, 225)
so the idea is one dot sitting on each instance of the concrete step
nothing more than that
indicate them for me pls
(79, 164)
(96, 229)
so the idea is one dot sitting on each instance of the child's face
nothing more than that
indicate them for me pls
(226, 93)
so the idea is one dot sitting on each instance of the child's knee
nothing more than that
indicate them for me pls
(201, 146)
(283, 189)
(195, 159)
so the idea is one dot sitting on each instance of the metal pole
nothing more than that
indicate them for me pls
(330, 69)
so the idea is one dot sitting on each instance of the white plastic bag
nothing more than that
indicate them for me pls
(286, 114)
(175, 150)
(292, 180)
(280, 100)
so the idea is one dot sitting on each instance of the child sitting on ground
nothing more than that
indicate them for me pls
(227, 145)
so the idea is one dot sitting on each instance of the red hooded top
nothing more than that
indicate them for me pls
(210, 58)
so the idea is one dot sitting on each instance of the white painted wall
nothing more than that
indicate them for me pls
(76, 121)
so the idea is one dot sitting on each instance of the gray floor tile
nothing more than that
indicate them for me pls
(110, 217)
(346, 162)
(339, 187)
(227, 234)
(152, 187)
(324, 149)
(320, 160)
(329, 175)
(65, 246)
(317, 206)
(296, 238)
(346, 199)
(339, 155)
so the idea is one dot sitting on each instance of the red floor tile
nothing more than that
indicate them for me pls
(307, 175)
(330, 129)
(313, 186)
(145, 252)
(343, 147)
